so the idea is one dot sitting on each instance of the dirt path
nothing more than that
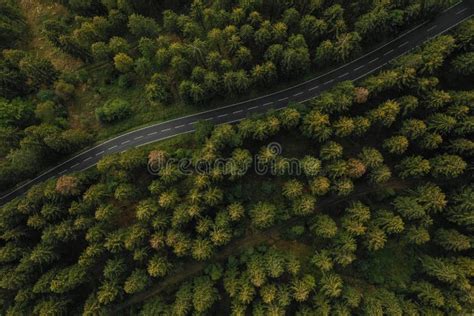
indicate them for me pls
(252, 238)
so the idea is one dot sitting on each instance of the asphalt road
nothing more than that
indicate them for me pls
(302, 92)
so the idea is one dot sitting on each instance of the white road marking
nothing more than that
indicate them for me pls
(328, 82)
(87, 159)
(154, 133)
(63, 172)
(84, 169)
(297, 94)
(452, 26)
(127, 141)
(253, 107)
(369, 72)
(454, 5)
(98, 154)
(313, 88)
(359, 68)
(431, 28)
(194, 122)
(461, 11)
(373, 60)
(166, 130)
(406, 43)
(110, 148)
(209, 119)
(179, 126)
(72, 167)
(268, 103)
(343, 75)
(237, 112)
(389, 52)
(138, 137)
(283, 99)
(223, 115)
(168, 137)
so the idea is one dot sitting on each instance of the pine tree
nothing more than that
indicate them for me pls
(417, 235)
(449, 166)
(396, 144)
(304, 205)
(331, 151)
(204, 294)
(293, 189)
(441, 123)
(184, 300)
(413, 166)
(375, 238)
(158, 266)
(108, 292)
(428, 294)
(268, 293)
(408, 207)
(431, 197)
(380, 174)
(452, 240)
(389, 222)
(320, 185)
(386, 113)
(322, 260)
(371, 157)
(331, 285)
(275, 263)
(302, 288)
(413, 128)
(263, 214)
(343, 187)
(201, 249)
(440, 269)
(317, 125)
(355, 168)
(136, 282)
(236, 211)
(351, 296)
(324, 226)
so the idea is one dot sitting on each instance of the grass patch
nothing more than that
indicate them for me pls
(88, 99)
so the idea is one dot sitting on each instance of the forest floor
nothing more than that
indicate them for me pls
(272, 237)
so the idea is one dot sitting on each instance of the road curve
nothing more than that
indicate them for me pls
(302, 92)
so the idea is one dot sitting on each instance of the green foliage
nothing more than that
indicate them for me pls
(263, 214)
(16, 113)
(136, 282)
(13, 25)
(99, 238)
(141, 26)
(123, 62)
(113, 110)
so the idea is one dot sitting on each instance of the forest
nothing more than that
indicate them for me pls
(375, 220)
(175, 58)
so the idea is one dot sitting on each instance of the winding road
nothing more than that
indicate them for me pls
(354, 70)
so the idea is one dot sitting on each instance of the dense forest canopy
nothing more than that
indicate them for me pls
(170, 52)
(379, 221)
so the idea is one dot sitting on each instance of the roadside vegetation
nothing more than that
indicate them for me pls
(378, 221)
